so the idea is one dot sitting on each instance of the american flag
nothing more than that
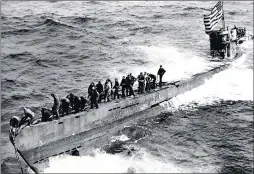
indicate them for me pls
(213, 18)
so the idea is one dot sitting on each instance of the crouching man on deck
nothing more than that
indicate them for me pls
(94, 98)
(28, 117)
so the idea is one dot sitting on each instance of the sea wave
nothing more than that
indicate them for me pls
(85, 19)
(17, 32)
(141, 29)
(19, 97)
(19, 56)
(195, 8)
(55, 23)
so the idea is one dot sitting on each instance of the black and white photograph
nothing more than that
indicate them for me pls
(127, 87)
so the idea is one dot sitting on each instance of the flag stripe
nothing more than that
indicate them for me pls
(213, 18)
(212, 21)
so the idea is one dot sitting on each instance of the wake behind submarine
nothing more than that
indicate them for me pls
(78, 132)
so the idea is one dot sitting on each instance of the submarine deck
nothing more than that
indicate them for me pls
(91, 128)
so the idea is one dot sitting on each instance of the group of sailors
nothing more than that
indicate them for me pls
(146, 82)
(96, 93)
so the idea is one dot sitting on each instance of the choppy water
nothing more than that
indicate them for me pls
(61, 47)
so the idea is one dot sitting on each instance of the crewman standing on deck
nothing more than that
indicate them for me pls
(90, 88)
(141, 82)
(129, 91)
(132, 79)
(161, 72)
(56, 105)
(111, 86)
(94, 97)
(148, 83)
(116, 88)
(124, 86)
(107, 89)
(99, 87)
(145, 75)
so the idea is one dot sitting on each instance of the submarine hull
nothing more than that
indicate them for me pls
(93, 128)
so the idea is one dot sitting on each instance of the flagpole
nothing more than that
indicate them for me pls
(223, 21)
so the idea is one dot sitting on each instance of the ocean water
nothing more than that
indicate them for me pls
(62, 46)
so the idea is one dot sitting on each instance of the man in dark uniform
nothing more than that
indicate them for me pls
(77, 104)
(90, 88)
(148, 83)
(45, 115)
(65, 106)
(161, 72)
(128, 82)
(153, 77)
(130, 91)
(124, 86)
(56, 105)
(99, 87)
(141, 82)
(132, 79)
(94, 97)
(116, 87)
(71, 99)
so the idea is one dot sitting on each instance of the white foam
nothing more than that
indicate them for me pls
(235, 83)
(107, 163)
(120, 138)
(177, 63)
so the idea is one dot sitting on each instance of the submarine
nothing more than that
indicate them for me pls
(78, 133)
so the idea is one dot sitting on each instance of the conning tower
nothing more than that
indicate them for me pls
(224, 43)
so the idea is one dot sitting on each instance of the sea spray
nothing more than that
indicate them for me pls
(235, 83)
(179, 64)
(101, 162)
